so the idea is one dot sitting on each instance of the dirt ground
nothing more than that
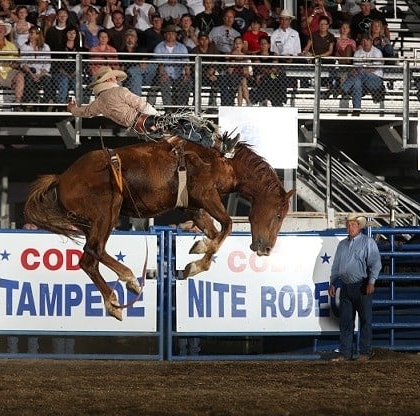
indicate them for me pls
(389, 384)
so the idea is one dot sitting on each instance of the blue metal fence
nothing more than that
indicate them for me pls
(396, 318)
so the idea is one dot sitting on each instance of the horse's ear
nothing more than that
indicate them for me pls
(290, 193)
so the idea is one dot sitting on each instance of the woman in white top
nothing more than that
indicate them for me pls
(36, 64)
(20, 29)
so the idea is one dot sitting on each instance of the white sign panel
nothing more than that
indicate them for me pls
(273, 131)
(286, 292)
(42, 287)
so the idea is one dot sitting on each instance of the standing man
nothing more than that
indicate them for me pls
(357, 264)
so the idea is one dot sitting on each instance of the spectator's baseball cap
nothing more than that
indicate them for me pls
(130, 32)
(170, 28)
(365, 1)
(155, 16)
(202, 34)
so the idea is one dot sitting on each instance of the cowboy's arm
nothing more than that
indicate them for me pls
(85, 111)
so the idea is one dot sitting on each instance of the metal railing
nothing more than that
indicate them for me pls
(310, 84)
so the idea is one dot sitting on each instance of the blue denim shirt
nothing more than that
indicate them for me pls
(356, 259)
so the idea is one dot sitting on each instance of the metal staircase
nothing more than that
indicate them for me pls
(330, 179)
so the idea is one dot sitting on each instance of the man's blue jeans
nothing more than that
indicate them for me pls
(354, 85)
(353, 299)
(138, 76)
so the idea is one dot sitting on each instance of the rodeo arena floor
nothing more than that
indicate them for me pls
(386, 385)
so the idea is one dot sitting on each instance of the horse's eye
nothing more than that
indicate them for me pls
(279, 217)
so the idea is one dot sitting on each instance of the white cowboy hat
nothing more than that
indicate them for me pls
(105, 72)
(360, 219)
(8, 26)
(286, 13)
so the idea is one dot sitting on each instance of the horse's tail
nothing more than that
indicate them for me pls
(44, 209)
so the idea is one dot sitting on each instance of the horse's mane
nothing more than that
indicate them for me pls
(267, 176)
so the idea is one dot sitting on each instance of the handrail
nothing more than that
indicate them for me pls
(308, 81)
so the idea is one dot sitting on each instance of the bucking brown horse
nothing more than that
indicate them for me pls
(147, 179)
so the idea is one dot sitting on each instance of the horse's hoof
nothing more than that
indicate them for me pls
(112, 307)
(133, 286)
(190, 270)
(199, 247)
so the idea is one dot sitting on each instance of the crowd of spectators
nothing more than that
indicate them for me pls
(106, 28)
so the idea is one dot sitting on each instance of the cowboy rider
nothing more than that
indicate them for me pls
(127, 109)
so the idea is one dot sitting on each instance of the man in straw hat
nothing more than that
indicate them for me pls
(285, 41)
(127, 109)
(10, 76)
(356, 264)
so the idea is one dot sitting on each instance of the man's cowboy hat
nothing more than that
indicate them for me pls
(8, 26)
(360, 219)
(105, 72)
(286, 13)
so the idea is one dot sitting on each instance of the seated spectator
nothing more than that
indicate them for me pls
(37, 68)
(116, 33)
(20, 28)
(380, 41)
(139, 14)
(43, 16)
(172, 11)
(208, 18)
(141, 73)
(105, 48)
(344, 49)
(322, 42)
(90, 29)
(54, 37)
(285, 41)
(261, 9)
(237, 75)
(350, 8)
(107, 10)
(223, 36)
(310, 17)
(194, 6)
(360, 23)
(187, 34)
(270, 83)
(243, 16)
(210, 77)
(345, 46)
(366, 76)
(8, 11)
(64, 73)
(80, 10)
(337, 14)
(10, 76)
(174, 78)
(153, 36)
(252, 36)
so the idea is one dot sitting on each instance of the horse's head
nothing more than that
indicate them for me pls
(266, 218)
